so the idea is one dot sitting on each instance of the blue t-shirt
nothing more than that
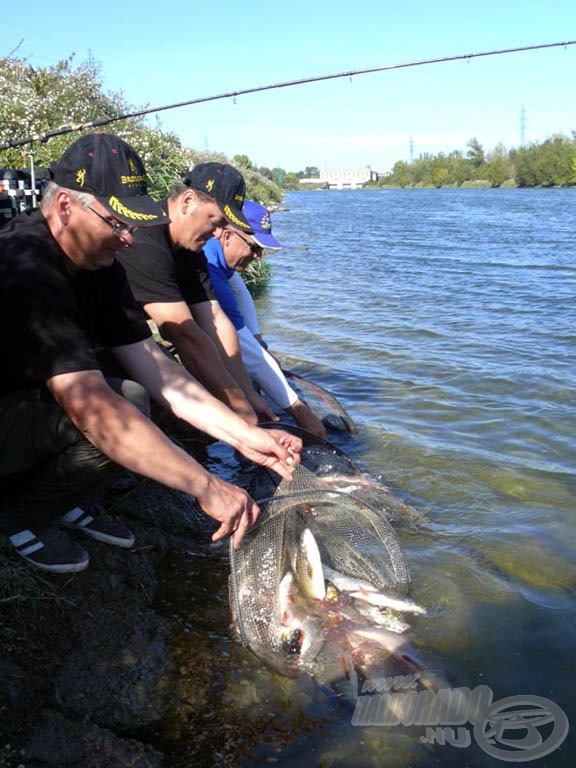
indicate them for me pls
(220, 273)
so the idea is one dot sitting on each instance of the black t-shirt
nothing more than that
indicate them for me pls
(160, 273)
(53, 321)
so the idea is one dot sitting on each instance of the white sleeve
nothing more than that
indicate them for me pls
(265, 371)
(245, 303)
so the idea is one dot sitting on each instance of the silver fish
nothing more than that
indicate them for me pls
(326, 635)
(363, 590)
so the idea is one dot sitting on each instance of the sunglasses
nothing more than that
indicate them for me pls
(255, 249)
(118, 229)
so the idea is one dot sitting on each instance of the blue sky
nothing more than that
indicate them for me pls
(201, 49)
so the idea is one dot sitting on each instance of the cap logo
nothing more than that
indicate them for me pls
(133, 180)
(265, 223)
(210, 185)
(132, 166)
(81, 177)
(119, 208)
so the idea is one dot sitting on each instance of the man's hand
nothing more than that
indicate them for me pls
(308, 420)
(262, 409)
(229, 505)
(272, 448)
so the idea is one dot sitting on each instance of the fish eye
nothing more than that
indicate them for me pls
(292, 644)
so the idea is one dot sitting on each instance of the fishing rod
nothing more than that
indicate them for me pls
(43, 138)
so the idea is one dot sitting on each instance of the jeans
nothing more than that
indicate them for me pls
(47, 466)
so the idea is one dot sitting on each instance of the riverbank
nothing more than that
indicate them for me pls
(88, 670)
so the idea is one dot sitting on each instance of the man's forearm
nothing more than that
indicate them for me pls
(201, 358)
(171, 385)
(217, 325)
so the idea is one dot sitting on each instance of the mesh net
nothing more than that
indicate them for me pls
(352, 538)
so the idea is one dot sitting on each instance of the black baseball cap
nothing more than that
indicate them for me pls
(226, 185)
(111, 170)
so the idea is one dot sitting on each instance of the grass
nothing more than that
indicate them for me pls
(20, 584)
(257, 276)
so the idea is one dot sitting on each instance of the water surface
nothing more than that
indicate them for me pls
(445, 322)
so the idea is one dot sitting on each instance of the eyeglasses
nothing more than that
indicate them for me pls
(118, 229)
(255, 249)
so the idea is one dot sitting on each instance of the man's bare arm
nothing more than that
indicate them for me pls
(125, 435)
(200, 355)
(173, 387)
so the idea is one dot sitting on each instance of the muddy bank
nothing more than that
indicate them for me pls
(87, 669)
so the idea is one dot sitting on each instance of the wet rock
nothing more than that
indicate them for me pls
(87, 664)
(63, 743)
(117, 677)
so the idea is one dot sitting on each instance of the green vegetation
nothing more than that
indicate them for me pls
(552, 163)
(257, 276)
(34, 102)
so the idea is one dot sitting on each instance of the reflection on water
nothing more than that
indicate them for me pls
(444, 321)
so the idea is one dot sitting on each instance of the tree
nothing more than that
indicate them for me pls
(278, 176)
(242, 161)
(291, 181)
(548, 164)
(475, 153)
(266, 172)
(498, 167)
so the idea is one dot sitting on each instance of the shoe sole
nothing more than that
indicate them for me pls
(59, 567)
(97, 536)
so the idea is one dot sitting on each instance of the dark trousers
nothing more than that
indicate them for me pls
(47, 466)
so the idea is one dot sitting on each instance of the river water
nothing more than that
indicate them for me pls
(445, 323)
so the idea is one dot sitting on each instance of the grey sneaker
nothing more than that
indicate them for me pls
(91, 521)
(50, 551)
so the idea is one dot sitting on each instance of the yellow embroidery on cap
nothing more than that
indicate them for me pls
(210, 185)
(80, 176)
(132, 166)
(122, 210)
(233, 219)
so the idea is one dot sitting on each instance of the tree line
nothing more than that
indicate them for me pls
(551, 163)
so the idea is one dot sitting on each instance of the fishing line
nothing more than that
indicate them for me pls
(43, 138)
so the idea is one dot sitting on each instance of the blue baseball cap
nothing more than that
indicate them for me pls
(259, 219)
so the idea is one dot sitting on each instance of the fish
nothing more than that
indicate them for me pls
(363, 590)
(308, 568)
(295, 600)
(326, 636)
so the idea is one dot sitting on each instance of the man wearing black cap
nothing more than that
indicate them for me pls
(168, 275)
(65, 428)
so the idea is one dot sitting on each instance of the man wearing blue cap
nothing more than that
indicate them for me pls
(67, 428)
(227, 256)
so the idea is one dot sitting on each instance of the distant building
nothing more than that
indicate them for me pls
(342, 179)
